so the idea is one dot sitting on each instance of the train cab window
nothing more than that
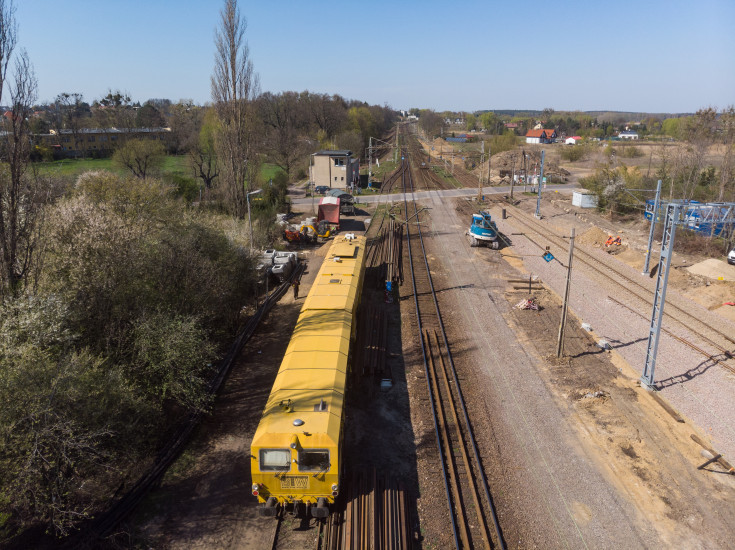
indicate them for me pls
(314, 460)
(275, 460)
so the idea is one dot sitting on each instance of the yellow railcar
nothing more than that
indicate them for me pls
(295, 455)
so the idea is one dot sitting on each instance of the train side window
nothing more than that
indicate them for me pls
(275, 460)
(314, 460)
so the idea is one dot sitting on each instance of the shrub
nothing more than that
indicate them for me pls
(575, 152)
(629, 152)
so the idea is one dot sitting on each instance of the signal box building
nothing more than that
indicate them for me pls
(335, 169)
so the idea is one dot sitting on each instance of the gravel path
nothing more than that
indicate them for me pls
(547, 476)
(694, 385)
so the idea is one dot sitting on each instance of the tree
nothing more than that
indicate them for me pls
(430, 122)
(185, 121)
(19, 193)
(281, 116)
(140, 156)
(234, 85)
(8, 38)
(727, 170)
(202, 154)
(491, 122)
(115, 110)
(471, 121)
(149, 116)
(70, 108)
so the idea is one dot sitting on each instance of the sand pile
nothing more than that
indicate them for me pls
(594, 236)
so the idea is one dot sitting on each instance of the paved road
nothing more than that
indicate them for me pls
(447, 193)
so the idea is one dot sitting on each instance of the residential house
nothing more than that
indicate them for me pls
(540, 136)
(628, 134)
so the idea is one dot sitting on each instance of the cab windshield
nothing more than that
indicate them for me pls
(314, 460)
(275, 460)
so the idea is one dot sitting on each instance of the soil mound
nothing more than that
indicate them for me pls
(594, 236)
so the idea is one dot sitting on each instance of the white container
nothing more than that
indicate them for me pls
(584, 200)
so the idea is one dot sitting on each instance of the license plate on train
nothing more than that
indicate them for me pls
(301, 482)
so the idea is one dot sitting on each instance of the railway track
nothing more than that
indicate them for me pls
(468, 494)
(676, 311)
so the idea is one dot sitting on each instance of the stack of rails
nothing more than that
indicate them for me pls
(296, 453)
(372, 344)
(376, 515)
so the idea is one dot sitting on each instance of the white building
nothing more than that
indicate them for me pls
(628, 134)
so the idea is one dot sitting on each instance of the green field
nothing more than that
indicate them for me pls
(172, 164)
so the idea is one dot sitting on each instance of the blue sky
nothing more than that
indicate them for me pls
(625, 55)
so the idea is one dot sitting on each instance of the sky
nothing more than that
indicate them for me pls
(625, 55)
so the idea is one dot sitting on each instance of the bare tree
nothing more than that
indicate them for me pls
(8, 38)
(234, 86)
(727, 170)
(140, 156)
(70, 109)
(280, 114)
(19, 204)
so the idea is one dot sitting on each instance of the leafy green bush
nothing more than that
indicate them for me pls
(172, 358)
(186, 186)
(66, 417)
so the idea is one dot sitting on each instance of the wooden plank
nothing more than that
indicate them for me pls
(724, 463)
(668, 408)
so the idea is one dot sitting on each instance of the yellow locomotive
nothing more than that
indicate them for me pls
(295, 456)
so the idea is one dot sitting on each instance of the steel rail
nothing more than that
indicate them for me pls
(470, 433)
(589, 259)
(426, 371)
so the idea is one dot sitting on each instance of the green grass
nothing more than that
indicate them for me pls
(172, 164)
(268, 171)
(74, 167)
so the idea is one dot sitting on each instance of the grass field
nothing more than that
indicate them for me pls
(172, 164)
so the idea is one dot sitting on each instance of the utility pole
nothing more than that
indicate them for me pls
(370, 159)
(540, 179)
(482, 172)
(489, 159)
(562, 325)
(654, 214)
(659, 297)
(513, 173)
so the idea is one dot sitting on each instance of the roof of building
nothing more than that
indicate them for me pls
(111, 131)
(342, 153)
(539, 133)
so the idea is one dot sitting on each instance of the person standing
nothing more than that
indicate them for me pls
(295, 289)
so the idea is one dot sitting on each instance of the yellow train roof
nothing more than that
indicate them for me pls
(338, 282)
(318, 410)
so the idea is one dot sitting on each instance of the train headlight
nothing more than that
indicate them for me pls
(335, 487)
(256, 489)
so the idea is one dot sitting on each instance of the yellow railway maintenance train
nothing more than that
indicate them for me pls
(295, 456)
